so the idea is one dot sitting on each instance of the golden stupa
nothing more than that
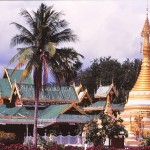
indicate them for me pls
(136, 113)
(139, 96)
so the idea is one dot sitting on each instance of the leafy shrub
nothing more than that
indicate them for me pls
(6, 136)
(146, 141)
(96, 132)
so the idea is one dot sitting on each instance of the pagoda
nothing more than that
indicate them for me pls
(136, 113)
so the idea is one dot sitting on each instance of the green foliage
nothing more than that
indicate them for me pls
(42, 51)
(105, 69)
(146, 141)
(95, 134)
(110, 127)
(54, 132)
(7, 136)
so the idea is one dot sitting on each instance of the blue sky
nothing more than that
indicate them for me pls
(104, 27)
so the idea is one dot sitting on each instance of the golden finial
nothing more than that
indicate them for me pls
(108, 107)
(147, 8)
(145, 34)
(108, 102)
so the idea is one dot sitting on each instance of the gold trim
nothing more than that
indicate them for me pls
(8, 77)
(137, 107)
(85, 94)
(73, 105)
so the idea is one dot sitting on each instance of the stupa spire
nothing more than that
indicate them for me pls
(139, 96)
(141, 89)
(145, 34)
(143, 81)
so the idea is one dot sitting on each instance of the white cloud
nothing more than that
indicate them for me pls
(105, 28)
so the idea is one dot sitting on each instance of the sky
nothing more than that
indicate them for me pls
(104, 27)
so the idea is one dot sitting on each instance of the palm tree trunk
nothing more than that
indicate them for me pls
(35, 123)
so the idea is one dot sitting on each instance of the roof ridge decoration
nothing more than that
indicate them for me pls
(7, 74)
(15, 86)
(77, 88)
(85, 92)
(73, 105)
(103, 91)
(99, 105)
(82, 96)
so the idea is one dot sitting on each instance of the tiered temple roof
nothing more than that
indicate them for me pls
(57, 104)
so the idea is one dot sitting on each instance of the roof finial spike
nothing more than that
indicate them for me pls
(147, 8)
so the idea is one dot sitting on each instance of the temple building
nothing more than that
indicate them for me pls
(136, 113)
(103, 100)
(60, 108)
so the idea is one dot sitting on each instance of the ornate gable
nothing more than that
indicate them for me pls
(104, 91)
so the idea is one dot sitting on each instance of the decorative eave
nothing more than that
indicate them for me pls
(49, 100)
(5, 71)
(15, 86)
(41, 123)
(72, 121)
(138, 108)
(85, 93)
(104, 95)
(114, 89)
(73, 105)
(77, 88)
(93, 108)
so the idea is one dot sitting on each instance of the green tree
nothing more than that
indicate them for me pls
(109, 127)
(105, 70)
(129, 73)
(41, 52)
(102, 70)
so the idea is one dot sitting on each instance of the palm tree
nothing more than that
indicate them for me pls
(41, 54)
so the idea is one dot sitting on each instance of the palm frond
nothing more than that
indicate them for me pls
(21, 39)
(27, 70)
(69, 52)
(18, 65)
(23, 52)
(57, 26)
(28, 18)
(24, 31)
(64, 36)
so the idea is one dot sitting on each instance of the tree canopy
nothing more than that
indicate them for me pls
(106, 69)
